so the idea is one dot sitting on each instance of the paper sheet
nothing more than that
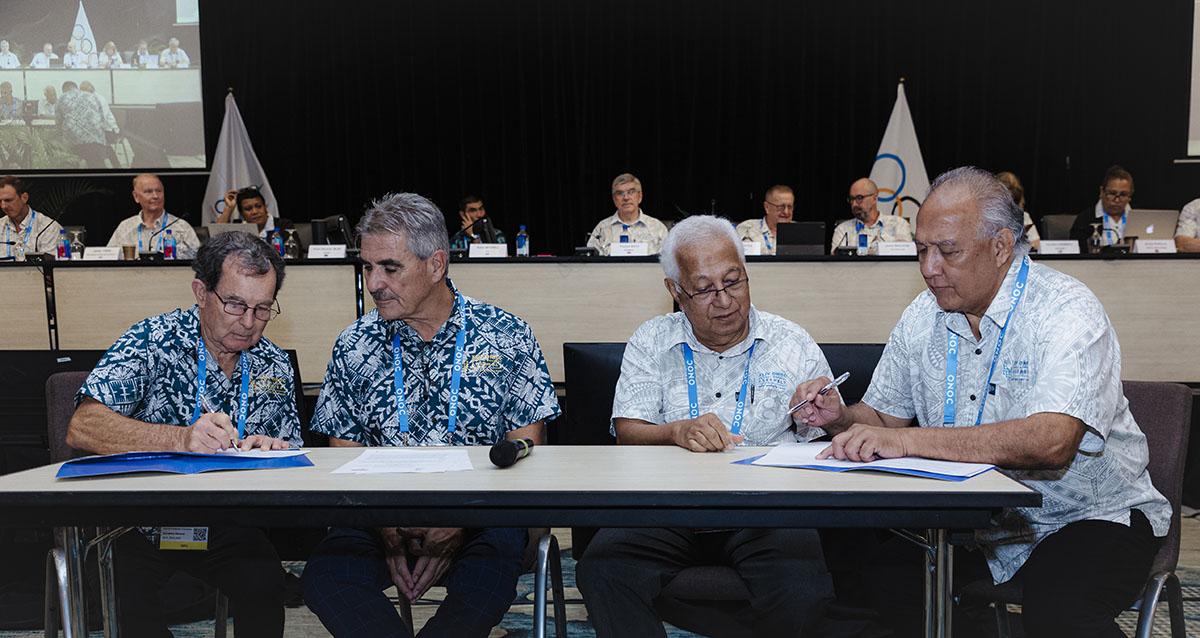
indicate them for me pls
(396, 460)
(804, 455)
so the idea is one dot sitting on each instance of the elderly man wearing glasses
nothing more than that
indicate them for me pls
(198, 380)
(1110, 212)
(866, 220)
(778, 206)
(717, 375)
(628, 224)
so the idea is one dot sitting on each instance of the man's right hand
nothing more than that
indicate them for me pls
(705, 433)
(822, 409)
(210, 433)
(396, 557)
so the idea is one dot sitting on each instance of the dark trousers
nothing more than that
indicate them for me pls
(239, 561)
(345, 578)
(1075, 583)
(624, 570)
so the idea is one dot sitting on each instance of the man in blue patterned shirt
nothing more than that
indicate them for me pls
(391, 381)
(170, 383)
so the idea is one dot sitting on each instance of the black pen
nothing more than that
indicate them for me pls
(751, 395)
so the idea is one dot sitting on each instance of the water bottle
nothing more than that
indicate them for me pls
(64, 246)
(277, 242)
(522, 242)
(863, 243)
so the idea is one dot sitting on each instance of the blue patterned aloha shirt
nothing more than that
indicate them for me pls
(505, 383)
(149, 374)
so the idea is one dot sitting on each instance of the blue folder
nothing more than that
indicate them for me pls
(173, 462)
(877, 468)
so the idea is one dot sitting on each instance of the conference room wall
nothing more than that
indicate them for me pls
(537, 105)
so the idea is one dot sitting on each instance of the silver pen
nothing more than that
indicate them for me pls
(825, 390)
(207, 407)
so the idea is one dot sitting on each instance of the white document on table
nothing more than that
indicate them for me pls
(804, 455)
(396, 460)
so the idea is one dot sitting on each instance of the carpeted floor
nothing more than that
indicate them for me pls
(518, 621)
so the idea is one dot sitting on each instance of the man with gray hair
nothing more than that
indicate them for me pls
(716, 375)
(628, 225)
(171, 382)
(1008, 362)
(393, 381)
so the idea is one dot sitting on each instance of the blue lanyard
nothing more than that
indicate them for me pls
(766, 234)
(1109, 228)
(162, 227)
(689, 370)
(951, 395)
(28, 230)
(202, 380)
(455, 376)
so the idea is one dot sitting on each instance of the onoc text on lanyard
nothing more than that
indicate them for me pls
(202, 380)
(161, 227)
(689, 371)
(951, 394)
(28, 229)
(455, 375)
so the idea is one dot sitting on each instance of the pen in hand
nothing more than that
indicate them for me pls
(207, 407)
(825, 390)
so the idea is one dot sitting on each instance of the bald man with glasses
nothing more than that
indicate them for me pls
(779, 205)
(866, 220)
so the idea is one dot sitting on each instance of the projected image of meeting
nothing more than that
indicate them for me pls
(100, 85)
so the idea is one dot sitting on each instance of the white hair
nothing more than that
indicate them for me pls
(697, 229)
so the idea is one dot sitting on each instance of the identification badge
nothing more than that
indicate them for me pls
(190, 538)
(629, 249)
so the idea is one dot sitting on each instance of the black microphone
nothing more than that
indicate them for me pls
(506, 453)
(48, 227)
(150, 242)
(463, 231)
(487, 231)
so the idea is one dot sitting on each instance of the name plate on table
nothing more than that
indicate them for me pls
(1154, 246)
(629, 249)
(488, 250)
(1058, 247)
(897, 249)
(102, 253)
(327, 251)
(752, 247)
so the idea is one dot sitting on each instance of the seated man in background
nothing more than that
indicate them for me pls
(34, 231)
(471, 210)
(11, 108)
(392, 381)
(866, 220)
(248, 205)
(1018, 194)
(143, 58)
(1044, 404)
(150, 392)
(74, 59)
(173, 57)
(718, 374)
(628, 224)
(49, 103)
(81, 119)
(1111, 210)
(43, 58)
(779, 204)
(1187, 232)
(8, 59)
(147, 229)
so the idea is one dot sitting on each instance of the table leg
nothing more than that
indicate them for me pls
(944, 558)
(74, 549)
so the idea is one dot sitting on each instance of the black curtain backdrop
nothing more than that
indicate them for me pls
(537, 104)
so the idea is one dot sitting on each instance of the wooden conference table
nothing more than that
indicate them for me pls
(625, 486)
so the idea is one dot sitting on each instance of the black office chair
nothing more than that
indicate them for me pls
(1057, 226)
(337, 230)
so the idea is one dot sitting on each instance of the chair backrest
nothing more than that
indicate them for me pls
(303, 234)
(201, 234)
(23, 392)
(60, 405)
(1164, 413)
(590, 371)
(1057, 226)
(859, 359)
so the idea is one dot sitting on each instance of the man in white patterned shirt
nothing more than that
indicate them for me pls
(628, 224)
(866, 220)
(716, 375)
(8, 59)
(147, 229)
(1187, 232)
(1007, 362)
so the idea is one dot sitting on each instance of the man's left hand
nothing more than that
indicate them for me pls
(440, 542)
(263, 443)
(866, 443)
(427, 571)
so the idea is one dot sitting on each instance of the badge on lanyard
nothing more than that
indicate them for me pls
(186, 538)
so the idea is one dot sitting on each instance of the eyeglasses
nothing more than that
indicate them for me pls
(629, 192)
(237, 308)
(1118, 194)
(710, 294)
(857, 199)
(781, 206)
